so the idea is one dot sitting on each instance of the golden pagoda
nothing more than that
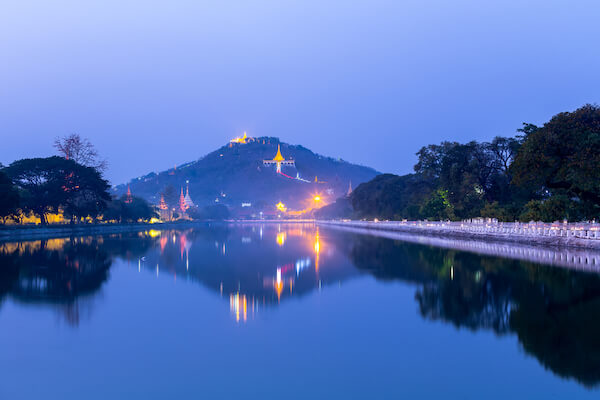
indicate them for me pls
(278, 160)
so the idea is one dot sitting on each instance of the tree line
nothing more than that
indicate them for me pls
(545, 173)
(70, 184)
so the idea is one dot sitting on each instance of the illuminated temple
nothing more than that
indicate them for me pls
(164, 212)
(278, 160)
(242, 140)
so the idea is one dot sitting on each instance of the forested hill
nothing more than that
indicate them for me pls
(235, 173)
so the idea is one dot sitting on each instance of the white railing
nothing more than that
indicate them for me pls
(589, 231)
(576, 258)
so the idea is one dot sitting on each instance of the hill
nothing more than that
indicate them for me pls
(235, 174)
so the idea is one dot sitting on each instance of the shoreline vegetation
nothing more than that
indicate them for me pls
(547, 173)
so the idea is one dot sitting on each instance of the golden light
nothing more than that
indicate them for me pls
(317, 198)
(281, 207)
(238, 303)
(279, 284)
(317, 247)
(281, 238)
(153, 233)
(242, 139)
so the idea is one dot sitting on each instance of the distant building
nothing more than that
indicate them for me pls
(188, 200)
(278, 160)
(349, 192)
(183, 206)
(128, 196)
(242, 140)
(164, 212)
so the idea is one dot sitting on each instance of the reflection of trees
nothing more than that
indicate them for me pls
(63, 273)
(554, 312)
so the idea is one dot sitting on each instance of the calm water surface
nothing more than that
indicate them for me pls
(289, 311)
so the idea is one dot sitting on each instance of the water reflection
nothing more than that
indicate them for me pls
(554, 312)
(64, 274)
(254, 266)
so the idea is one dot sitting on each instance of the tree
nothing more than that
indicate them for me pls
(438, 207)
(217, 212)
(563, 158)
(9, 197)
(171, 196)
(120, 211)
(138, 210)
(463, 170)
(390, 196)
(54, 182)
(80, 150)
(88, 193)
(504, 150)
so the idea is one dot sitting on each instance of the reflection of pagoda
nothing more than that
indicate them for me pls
(278, 160)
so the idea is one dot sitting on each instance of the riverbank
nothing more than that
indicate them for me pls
(583, 236)
(36, 232)
(538, 251)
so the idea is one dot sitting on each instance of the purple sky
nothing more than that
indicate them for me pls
(154, 84)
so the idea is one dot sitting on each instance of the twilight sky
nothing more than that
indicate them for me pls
(158, 83)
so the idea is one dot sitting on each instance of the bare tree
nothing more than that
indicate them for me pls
(80, 150)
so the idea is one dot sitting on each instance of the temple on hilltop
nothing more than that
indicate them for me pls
(278, 160)
(242, 140)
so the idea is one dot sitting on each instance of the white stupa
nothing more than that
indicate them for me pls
(188, 200)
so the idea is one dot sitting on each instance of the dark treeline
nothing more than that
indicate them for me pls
(70, 185)
(543, 173)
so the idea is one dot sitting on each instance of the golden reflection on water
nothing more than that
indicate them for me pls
(238, 304)
(32, 246)
(303, 246)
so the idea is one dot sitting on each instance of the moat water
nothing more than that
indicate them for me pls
(289, 311)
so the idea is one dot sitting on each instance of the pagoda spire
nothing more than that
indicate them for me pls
(163, 204)
(188, 200)
(128, 196)
(182, 205)
(278, 156)
(349, 192)
(278, 160)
